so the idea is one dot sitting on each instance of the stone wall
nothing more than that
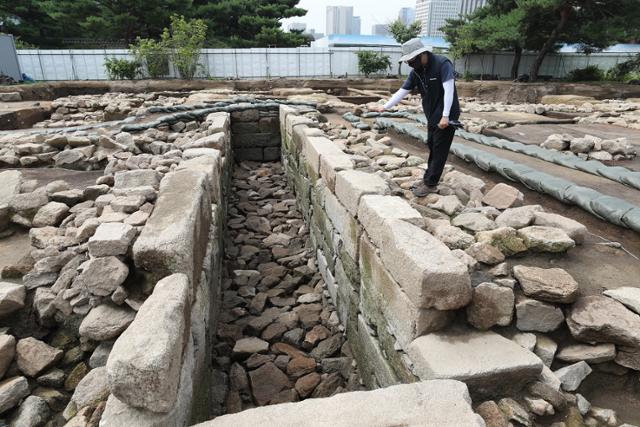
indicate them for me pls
(158, 368)
(391, 280)
(115, 315)
(255, 135)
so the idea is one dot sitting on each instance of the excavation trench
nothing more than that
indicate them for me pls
(279, 336)
(278, 257)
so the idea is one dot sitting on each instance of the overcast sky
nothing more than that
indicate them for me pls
(371, 12)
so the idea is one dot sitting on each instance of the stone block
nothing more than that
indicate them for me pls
(488, 363)
(145, 363)
(210, 165)
(251, 154)
(216, 140)
(120, 414)
(375, 209)
(343, 222)
(427, 404)
(372, 362)
(331, 164)
(192, 153)
(137, 178)
(174, 239)
(351, 185)
(316, 147)
(111, 239)
(430, 275)
(404, 319)
(11, 182)
(271, 154)
(245, 115)
(218, 122)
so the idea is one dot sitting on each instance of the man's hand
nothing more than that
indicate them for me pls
(377, 108)
(444, 122)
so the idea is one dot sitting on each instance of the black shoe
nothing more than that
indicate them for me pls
(423, 189)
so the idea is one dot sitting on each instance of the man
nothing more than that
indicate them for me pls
(433, 76)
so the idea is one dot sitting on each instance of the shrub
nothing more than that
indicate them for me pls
(586, 74)
(632, 77)
(372, 62)
(620, 71)
(467, 76)
(186, 39)
(154, 54)
(120, 69)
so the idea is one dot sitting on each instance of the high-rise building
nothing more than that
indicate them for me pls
(407, 15)
(339, 19)
(356, 23)
(468, 6)
(297, 26)
(380, 30)
(433, 15)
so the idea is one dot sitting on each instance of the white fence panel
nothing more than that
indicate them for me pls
(88, 64)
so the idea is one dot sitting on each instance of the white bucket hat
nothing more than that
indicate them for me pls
(413, 48)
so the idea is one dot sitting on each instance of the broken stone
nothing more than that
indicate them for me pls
(34, 356)
(503, 196)
(266, 382)
(533, 315)
(7, 352)
(518, 217)
(474, 221)
(50, 214)
(572, 376)
(34, 411)
(491, 305)
(11, 298)
(247, 346)
(111, 239)
(628, 296)
(602, 319)
(545, 239)
(514, 412)
(503, 238)
(574, 229)
(102, 276)
(93, 388)
(551, 284)
(588, 353)
(12, 391)
(485, 253)
(106, 322)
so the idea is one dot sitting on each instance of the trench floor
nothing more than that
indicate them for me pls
(278, 338)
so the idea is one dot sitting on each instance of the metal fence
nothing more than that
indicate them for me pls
(88, 64)
(8, 59)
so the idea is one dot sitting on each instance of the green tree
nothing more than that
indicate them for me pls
(592, 24)
(154, 54)
(237, 23)
(248, 23)
(403, 33)
(185, 39)
(372, 62)
(542, 26)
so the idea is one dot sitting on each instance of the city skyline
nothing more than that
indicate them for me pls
(370, 13)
